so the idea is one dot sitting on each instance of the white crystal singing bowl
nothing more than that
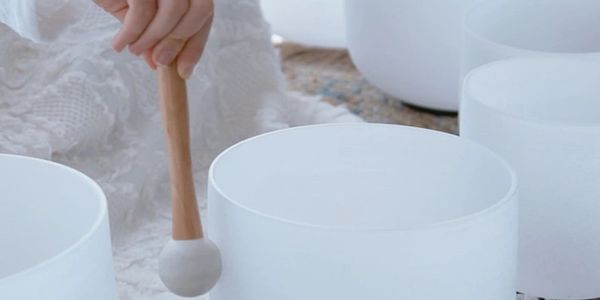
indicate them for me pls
(497, 30)
(312, 22)
(410, 49)
(543, 116)
(54, 233)
(363, 211)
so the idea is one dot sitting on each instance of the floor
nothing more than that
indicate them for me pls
(330, 73)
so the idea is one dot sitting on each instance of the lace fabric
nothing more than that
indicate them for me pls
(77, 102)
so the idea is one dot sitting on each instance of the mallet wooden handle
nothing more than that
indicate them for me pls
(174, 107)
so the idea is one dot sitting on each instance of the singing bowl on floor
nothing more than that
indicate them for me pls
(312, 22)
(54, 233)
(410, 49)
(496, 30)
(363, 211)
(543, 116)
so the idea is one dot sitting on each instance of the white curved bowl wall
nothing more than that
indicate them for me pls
(543, 116)
(373, 212)
(311, 22)
(54, 233)
(408, 48)
(497, 30)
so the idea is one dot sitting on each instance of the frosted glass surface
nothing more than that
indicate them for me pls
(410, 49)
(363, 211)
(499, 29)
(312, 22)
(543, 116)
(54, 233)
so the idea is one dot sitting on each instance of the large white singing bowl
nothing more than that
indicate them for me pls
(497, 30)
(313, 22)
(409, 48)
(543, 116)
(359, 211)
(54, 234)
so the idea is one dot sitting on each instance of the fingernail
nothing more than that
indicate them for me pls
(135, 51)
(187, 71)
(118, 48)
(165, 58)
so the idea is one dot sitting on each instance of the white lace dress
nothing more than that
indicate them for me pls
(66, 96)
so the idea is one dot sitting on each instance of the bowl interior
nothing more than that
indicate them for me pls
(539, 25)
(46, 208)
(558, 90)
(362, 176)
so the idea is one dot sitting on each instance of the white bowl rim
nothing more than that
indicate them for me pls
(509, 196)
(102, 213)
(592, 126)
(469, 29)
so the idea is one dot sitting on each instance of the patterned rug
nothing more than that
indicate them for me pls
(330, 73)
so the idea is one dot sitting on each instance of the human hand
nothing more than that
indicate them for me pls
(163, 30)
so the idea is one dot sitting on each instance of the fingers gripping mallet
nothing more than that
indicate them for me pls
(190, 264)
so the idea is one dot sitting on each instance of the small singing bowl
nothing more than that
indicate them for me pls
(542, 114)
(496, 30)
(54, 233)
(363, 211)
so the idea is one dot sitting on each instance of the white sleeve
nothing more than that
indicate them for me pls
(41, 20)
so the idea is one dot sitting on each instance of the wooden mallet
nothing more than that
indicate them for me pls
(190, 264)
